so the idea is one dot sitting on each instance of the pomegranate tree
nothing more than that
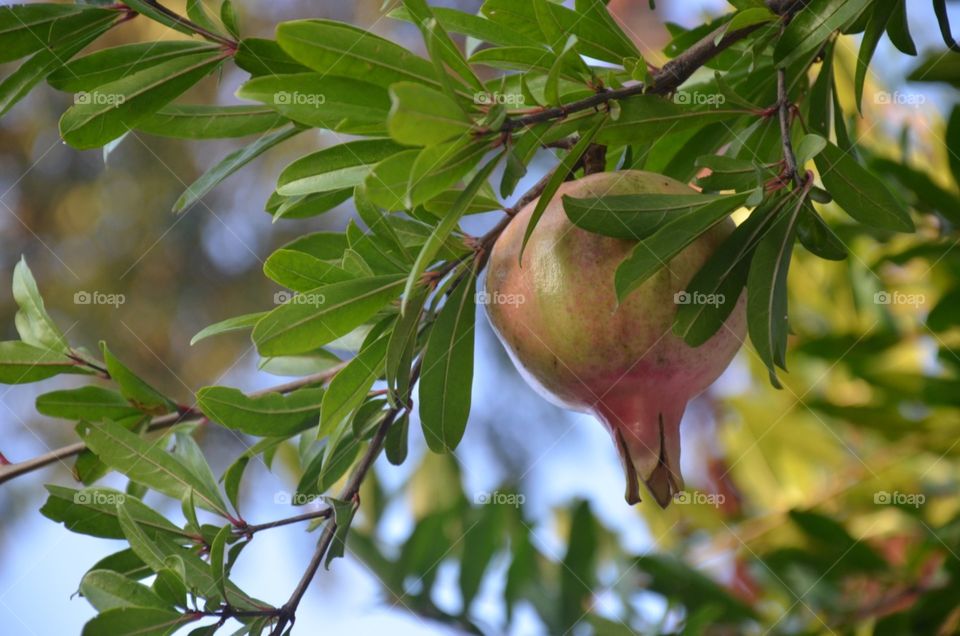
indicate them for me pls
(557, 314)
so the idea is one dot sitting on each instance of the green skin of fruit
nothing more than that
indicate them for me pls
(557, 316)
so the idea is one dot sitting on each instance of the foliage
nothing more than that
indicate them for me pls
(749, 106)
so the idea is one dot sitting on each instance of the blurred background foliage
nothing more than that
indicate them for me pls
(827, 507)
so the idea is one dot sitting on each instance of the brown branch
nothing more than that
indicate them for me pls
(252, 529)
(12, 471)
(784, 109)
(670, 76)
(351, 492)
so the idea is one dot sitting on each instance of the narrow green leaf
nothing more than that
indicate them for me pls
(138, 392)
(93, 511)
(862, 195)
(237, 323)
(85, 403)
(323, 315)
(200, 121)
(259, 56)
(26, 28)
(446, 381)
(898, 30)
(877, 24)
(350, 386)
(422, 116)
(21, 363)
(230, 164)
(634, 216)
(654, 252)
(301, 272)
(559, 175)
(439, 167)
(647, 118)
(136, 621)
(340, 49)
(342, 166)
(147, 463)
(443, 229)
(105, 590)
(343, 512)
(116, 107)
(810, 28)
(268, 415)
(32, 320)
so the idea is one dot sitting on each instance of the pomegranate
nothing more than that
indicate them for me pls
(557, 315)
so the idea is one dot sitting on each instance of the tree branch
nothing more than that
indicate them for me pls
(783, 106)
(11, 471)
(193, 26)
(666, 79)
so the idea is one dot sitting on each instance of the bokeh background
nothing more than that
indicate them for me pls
(90, 223)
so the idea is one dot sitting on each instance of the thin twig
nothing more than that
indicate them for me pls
(12, 471)
(252, 529)
(784, 108)
(193, 26)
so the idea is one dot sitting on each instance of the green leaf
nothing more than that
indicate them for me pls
(339, 49)
(302, 272)
(438, 167)
(306, 206)
(147, 463)
(197, 11)
(268, 415)
(93, 511)
(105, 590)
(647, 118)
(230, 164)
(862, 195)
(653, 253)
(85, 403)
(228, 15)
(446, 381)
(767, 319)
(26, 28)
(116, 107)
(341, 451)
(422, 116)
(817, 237)
(237, 323)
(217, 561)
(481, 542)
(879, 18)
(443, 229)
(403, 340)
(396, 445)
(343, 512)
(342, 166)
(259, 56)
(678, 582)
(333, 311)
(559, 175)
(746, 18)
(33, 322)
(442, 49)
(148, 8)
(478, 27)
(200, 121)
(728, 173)
(136, 621)
(634, 216)
(21, 363)
(578, 576)
(898, 30)
(138, 392)
(322, 101)
(388, 183)
(114, 63)
(810, 28)
(722, 278)
(18, 84)
(350, 386)
(809, 147)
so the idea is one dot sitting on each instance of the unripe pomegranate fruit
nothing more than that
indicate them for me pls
(557, 315)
